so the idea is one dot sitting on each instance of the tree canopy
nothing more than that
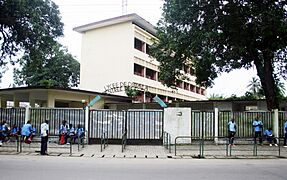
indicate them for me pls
(219, 36)
(26, 24)
(52, 67)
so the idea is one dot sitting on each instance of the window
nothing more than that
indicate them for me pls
(192, 88)
(138, 70)
(139, 45)
(147, 49)
(186, 86)
(150, 74)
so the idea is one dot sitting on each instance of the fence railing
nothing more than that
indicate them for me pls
(124, 141)
(167, 141)
(243, 144)
(104, 141)
(55, 117)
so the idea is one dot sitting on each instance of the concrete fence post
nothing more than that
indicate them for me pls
(27, 114)
(276, 122)
(86, 111)
(216, 115)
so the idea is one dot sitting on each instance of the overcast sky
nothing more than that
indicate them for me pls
(79, 12)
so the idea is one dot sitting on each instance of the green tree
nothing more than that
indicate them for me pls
(219, 36)
(216, 97)
(131, 91)
(26, 24)
(52, 67)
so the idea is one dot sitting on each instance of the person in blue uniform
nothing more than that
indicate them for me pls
(231, 131)
(257, 125)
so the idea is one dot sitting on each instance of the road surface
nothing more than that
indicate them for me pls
(83, 168)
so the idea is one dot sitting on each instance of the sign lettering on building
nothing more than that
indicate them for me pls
(121, 86)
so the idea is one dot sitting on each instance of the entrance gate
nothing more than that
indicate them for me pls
(142, 126)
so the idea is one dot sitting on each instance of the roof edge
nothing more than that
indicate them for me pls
(136, 19)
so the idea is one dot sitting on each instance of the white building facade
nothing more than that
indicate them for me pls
(115, 54)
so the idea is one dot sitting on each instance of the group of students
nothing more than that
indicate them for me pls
(68, 134)
(7, 132)
(258, 128)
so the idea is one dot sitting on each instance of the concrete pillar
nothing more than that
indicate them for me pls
(87, 109)
(3, 103)
(50, 102)
(27, 114)
(32, 102)
(276, 122)
(216, 115)
(16, 102)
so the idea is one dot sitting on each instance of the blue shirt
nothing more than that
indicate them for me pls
(285, 127)
(4, 129)
(257, 125)
(14, 130)
(79, 131)
(26, 130)
(63, 129)
(231, 126)
(268, 132)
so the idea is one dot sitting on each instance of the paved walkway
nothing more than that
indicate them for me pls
(139, 151)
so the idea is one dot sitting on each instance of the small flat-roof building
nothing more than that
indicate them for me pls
(56, 97)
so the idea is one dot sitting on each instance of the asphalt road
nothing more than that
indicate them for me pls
(72, 168)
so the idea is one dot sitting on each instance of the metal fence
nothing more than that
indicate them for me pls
(110, 122)
(55, 117)
(244, 121)
(282, 120)
(13, 116)
(202, 123)
(140, 124)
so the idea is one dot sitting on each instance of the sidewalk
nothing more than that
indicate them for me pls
(156, 152)
(213, 151)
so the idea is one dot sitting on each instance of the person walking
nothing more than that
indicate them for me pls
(285, 134)
(258, 126)
(231, 131)
(44, 137)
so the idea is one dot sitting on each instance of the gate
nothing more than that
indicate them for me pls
(142, 126)
(203, 124)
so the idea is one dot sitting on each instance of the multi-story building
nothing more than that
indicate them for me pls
(115, 54)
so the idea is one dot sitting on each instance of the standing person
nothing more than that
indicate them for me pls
(285, 133)
(231, 131)
(26, 132)
(258, 125)
(44, 137)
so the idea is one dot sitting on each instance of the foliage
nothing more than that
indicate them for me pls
(54, 67)
(219, 36)
(216, 97)
(131, 91)
(26, 24)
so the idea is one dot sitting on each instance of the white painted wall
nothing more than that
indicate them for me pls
(177, 122)
(107, 56)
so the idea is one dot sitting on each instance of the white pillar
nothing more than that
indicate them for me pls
(276, 122)
(86, 109)
(216, 115)
(27, 114)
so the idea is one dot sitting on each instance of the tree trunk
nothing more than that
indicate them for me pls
(265, 73)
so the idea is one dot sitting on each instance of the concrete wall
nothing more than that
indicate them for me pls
(177, 122)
